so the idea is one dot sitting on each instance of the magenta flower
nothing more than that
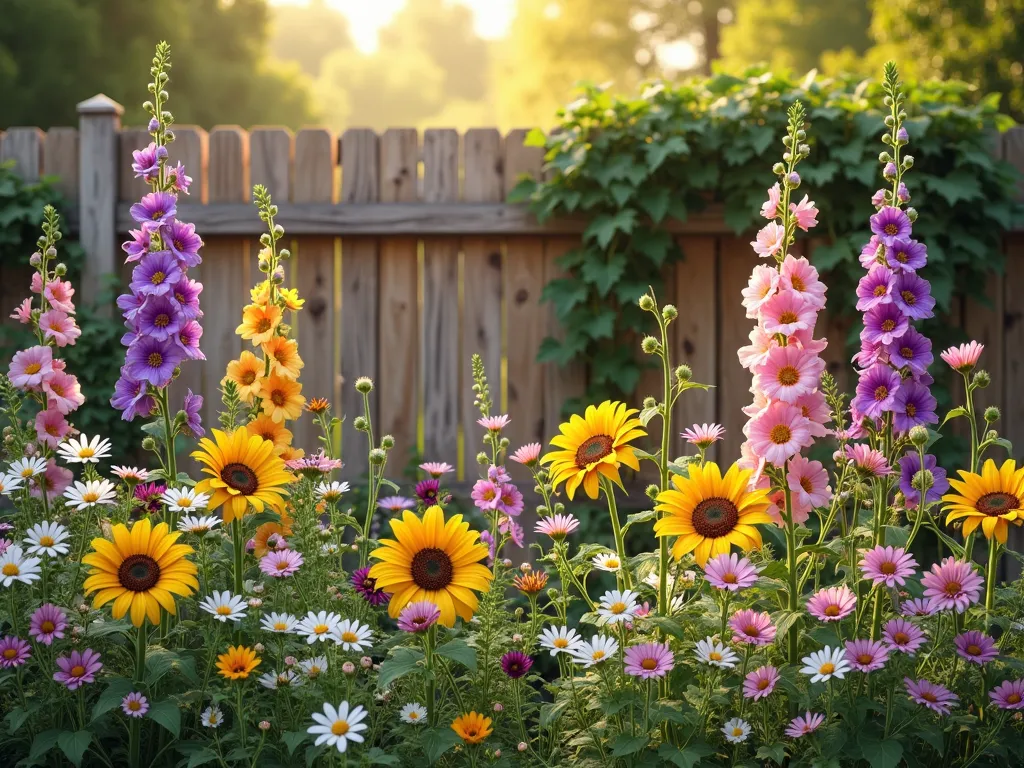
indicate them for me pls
(527, 455)
(964, 357)
(47, 622)
(513, 529)
(866, 655)
(730, 571)
(437, 468)
(888, 565)
(494, 423)
(953, 585)
(145, 162)
(135, 704)
(903, 636)
(150, 495)
(1009, 694)
(801, 726)
(30, 367)
(14, 652)
(281, 563)
(918, 606)
(485, 494)
(876, 391)
(77, 669)
(936, 697)
(648, 660)
(155, 209)
(427, 490)
(832, 603)
(906, 254)
(867, 460)
(418, 617)
(704, 435)
(760, 683)
(976, 647)
(181, 240)
(367, 587)
(510, 500)
(749, 626)
(557, 526)
(516, 664)
(890, 223)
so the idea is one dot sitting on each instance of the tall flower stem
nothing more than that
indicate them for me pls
(620, 545)
(371, 500)
(240, 713)
(792, 637)
(428, 653)
(990, 576)
(134, 740)
(238, 541)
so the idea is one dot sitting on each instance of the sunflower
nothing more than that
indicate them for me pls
(432, 560)
(140, 570)
(709, 513)
(593, 445)
(284, 357)
(259, 323)
(992, 499)
(281, 398)
(243, 471)
(247, 374)
(238, 662)
(268, 429)
(472, 727)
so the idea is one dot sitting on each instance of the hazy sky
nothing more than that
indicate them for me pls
(367, 16)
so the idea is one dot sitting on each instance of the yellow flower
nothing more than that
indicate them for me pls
(472, 727)
(281, 399)
(243, 471)
(247, 374)
(268, 429)
(260, 293)
(238, 662)
(432, 560)
(284, 357)
(259, 323)
(291, 452)
(140, 570)
(594, 445)
(290, 297)
(993, 499)
(709, 513)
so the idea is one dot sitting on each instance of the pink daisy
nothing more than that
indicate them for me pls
(557, 526)
(770, 208)
(55, 480)
(901, 635)
(964, 357)
(832, 603)
(805, 213)
(760, 683)
(808, 482)
(281, 563)
(761, 287)
(1009, 694)
(798, 275)
(130, 474)
(918, 606)
(46, 623)
(418, 617)
(815, 409)
(51, 427)
(494, 423)
(23, 312)
(648, 660)
(953, 585)
(63, 391)
(777, 510)
(888, 565)
(976, 647)
(866, 459)
(936, 697)
(510, 500)
(730, 571)
(752, 628)
(78, 668)
(14, 652)
(58, 293)
(486, 495)
(789, 373)
(135, 704)
(780, 432)
(801, 726)
(703, 435)
(60, 327)
(437, 468)
(770, 239)
(528, 455)
(31, 367)
(866, 655)
(788, 312)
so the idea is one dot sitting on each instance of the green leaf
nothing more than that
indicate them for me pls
(535, 138)
(603, 228)
(73, 744)
(774, 752)
(437, 741)
(116, 690)
(604, 273)
(659, 151)
(687, 757)
(167, 714)
(881, 753)
(378, 756)
(17, 716)
(647, 414)
(954, 413)
(784, 620)
(624, 744)
(826, 257)
(460, 651)
(655, 201)
(401, 662)
(668, 626)
(43, 743)
(201, 757)
(1002, 442)
(549, 713)
(292, 740)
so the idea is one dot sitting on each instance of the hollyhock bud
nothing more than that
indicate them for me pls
(889, 172)
(264, 725)
(794, 179)
(991, 414)
(378, 456)
(498, 707)
(684, 373)
(35, 259)
(359, 423)
(348, 668)
(982, 379)
(364, 385)
(908, 162)
(506, 562)
(366, 662)
(482, 458)
(255, 602)
(522, 746)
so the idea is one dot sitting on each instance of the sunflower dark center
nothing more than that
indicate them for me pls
(138, 573)
(240, 477)
(593, 449)
(715, 517)
(994, 504)
(432, 569)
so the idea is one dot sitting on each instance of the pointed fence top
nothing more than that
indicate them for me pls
(100, 104)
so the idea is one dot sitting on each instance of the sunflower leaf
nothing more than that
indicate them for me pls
(954, 413)
(167, 714)
(459, 651)
(74, 744)
(402, 662)
(437, 741)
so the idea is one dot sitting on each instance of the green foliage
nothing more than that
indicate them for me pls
(630, 164)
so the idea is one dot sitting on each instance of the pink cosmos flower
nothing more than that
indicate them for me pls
(31, 367)
(901, 635)
(866, 655)
(494, 423)
(730, 571)
(918, 606)
(46, 623)
(867, 460)
(418, 617)
(788, 312)
(788, 374)
(51, 427)
(953, 585)
(805, 213)
(761, 287)
(703, 435)
(976, 647)
(23, 312)
(59, 326)
(59, 293)
(808, 482)
(936, 697)
(557, 526)
(527, 455)
(832, 603)
(135, 704)
(510, 500)
(801, 726)
(648, 660)
(755, 353)
(281, 563)
(780, 432)
(964, 357)
(888, 565)
(752, 628)
(63, 391)
(486, 495)
(797, 274)
(1009, 694)
(769, 240)
(760, 683)
(437, 468)
(770, 208)
(78, 668)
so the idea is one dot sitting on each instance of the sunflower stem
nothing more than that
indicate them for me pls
(428, 653)
(620, 544)
(990, 576)
(239, 547)
(240, 713)
(134, 740)
(792, 636)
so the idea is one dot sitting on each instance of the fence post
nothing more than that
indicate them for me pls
(99, 120)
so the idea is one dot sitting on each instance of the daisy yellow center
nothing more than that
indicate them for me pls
(617, 608)
(214, 718)
(32, 368)
(865, 658)
(10, 653)
(77, 671)
(349, 637)
(888, 324)
(827, 668)
(901, 638)
(715, 656)
(90, 497)
(134, 706)
(184, 503)
(320, 629)
(715, 517)
(763, 683)
(929, 697)
(314, 671)
(611, 562)
(788, 317)
(737, 731)
(27, 472)
(973, 650)
(751, 630)
(280, 626)
(46, 541)
(339, 728)
(730, 578)
(787, 376)
(223, 610)
(953, 588)
(797, 282)
(891, 229)
(881, 392)
(994, 504)
(155, 360)
(85, 452)
(780, 434)
(47, 626)
(561, 642)
(832, 610)
(597, 655)
(414, 715)
(649, 664)
(11, 569)
(879, 290)
(157, 278)
(888, 568)
(593, 449)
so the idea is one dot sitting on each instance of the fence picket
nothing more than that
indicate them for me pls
(25, 147)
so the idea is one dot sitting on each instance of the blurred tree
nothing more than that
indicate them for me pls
(308, 33)
(55, 53)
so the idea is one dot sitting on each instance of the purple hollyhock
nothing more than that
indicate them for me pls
(183, 242)
(913, 406)
(890, 223)
(188, 339)
(367, 587)
(153, 360)
(193, 420)
(906, 255)
(177, 177)
(912, 350)
(876, 391)
(146, 162)
(160, 317)
(875, 288)
(156, 274)
(130, 304)
(186, 293)
(515, 664)
(913, 295)
(869, 253)
(130, 397)
(155, 209)
(883, 323)
(138, 246)
(910, 466)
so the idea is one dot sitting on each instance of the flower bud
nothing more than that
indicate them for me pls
(348, 668)
(778, 169)
(483, 459)
(683, 373)
(387, 442)
(264, 725)
(801, 135)
(504, 443)
(83, 608)
(378, 456)
(60, 270)
(364, 384)
(264, 265)
(884, 158)
(553, 594)
(284, 254)
(889, 121)
(804, 150)
(526, 567)
(497, 754)
(981, 379)
(259, 648)
(646, 303)
(919, 435)
(35, 259)
(517, 638)
(650, 402)
(359, 423)
(650, 345)
(148, 444)
(991, 414)
(991, 435)
(366, 662)
(506, 562)
(794, 179)
(498, 707)
(889, 172)
(908, 162)
(912, 214)
(255, 602)
(652, 491)
(290, 661)
(522, 746)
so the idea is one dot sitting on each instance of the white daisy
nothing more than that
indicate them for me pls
(331, 491)
(318, 626)
(736, 730)
(617, 606)
(10, 483)
(47, 539)
(224, 606)
(184, 499)
(314, 667)
(274, 679)
(29, 467)
(413, 713)
(599, 648)
(715, 654)
(825, 664)
(560, 640)
(329, 549)
(336, 727)
(353, 636)
(212, 717)
(197, 524)
(90, 493)
(14, 566)
(607, 561)
(82, 450)
(130, 474)
(283, 623)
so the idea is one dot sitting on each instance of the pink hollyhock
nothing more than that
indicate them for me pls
(750, 460)
(805, 213)
(59, 326)
(770, 239)
(815, 409)
(788, 374)
(55, 480)
(808, 482)
(23, 313)
(788, 312)
(63, 391)
(770, 208)
(59, 293)
(755, 353)
(800, 512)
(780, 432)
(31, 367)
(798, 275)
(51, 427)
(36, 284)
(761, 287)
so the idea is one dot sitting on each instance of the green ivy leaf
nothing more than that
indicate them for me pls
(879, 753)
(603, 228)
(687, 757)
(659, 151)
(655, 201)
(604, 274)
(74, 744)
(460, 651)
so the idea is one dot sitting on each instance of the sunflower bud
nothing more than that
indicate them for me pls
(650, 345)
(483, 459)
(387, 442)
(991, 414)
(148, 444)
(650, 402)
(684, 373)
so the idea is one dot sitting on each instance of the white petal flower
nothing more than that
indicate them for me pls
(314, 667)
(331, 491)
(47, 538)
(212, 717)
(618, 606)
(825, 664)
(198, 525)
(607, 561)
(224, 606)
(283, 623)
(353, 636)
(14, 566)
(274, 679)
(82, 450)
(10, 483)
(28, 467)
(716, 654)
(560, 640)
(599, 648)
(736, 730)
(318, 626)
(90, 493)
(184, 499)
(338, 726)
(413, 713)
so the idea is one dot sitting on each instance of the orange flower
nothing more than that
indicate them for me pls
(268, 429)
(284, 357)
(291, 452)
(290, 297)
(265, 531)
(247, 374)
(531, 583)
(318, 405)
(281, 398)
(472, 727)
(238, 662)
(259, 323)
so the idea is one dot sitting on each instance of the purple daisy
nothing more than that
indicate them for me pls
(281, 563)
(192, 407)
(427, 490)
(976, 647)
(130, 397)
(1009, 694)
(367, 587)
(913, 295)
(866, 655)
(515, 664)
(77, 669)
(936, 697)
(913, 406)
(188, 340)
(888, 565)
(418, 617)
(911, 483)
(903, 636)
(154, 209)
(14, 652)
(186, 293)
(832, 603)
(753, 628)
(760, 683)
(150, 495)
(876, 391)
(395, 504)
(918, 606)
(135, 704)
(153, 360)
(912, 350)
(952, 585)
(160, 317)
(883, 323)
(906, 255)
(875, 288)
(730, 571)
(46, 623)
(181, 239)
(890, 223)
(648, 660)
(156, 274)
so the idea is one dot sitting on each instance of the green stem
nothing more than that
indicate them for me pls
(239, 551)
(990, 577)
(620, 545)
(239, 713)
(428, 652)
(134, 740)
(792, 636)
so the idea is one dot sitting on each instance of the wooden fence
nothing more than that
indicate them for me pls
(410, 260)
